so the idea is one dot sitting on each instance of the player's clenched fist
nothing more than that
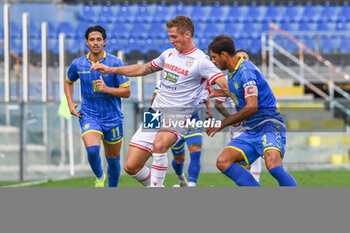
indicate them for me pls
(211, 131)
(101, 85)
(101, 67)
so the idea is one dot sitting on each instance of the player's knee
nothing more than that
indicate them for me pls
(159, 147)
(194, 147)
(273, 159)
(131, 169)
(222, 163)
(179, 158)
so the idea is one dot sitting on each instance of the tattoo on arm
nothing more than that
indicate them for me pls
(150, 69)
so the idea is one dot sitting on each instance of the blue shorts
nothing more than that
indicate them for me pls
(253, 143)
(111, 134)
(194, 135)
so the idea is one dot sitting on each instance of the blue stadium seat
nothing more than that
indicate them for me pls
(73, 45)
(328, 14)
(253, 46)
(210, 30)
(138, 30)
(88, 13)
(15, 30)
(66, 27)
(248, 30)
(34, 45)
(33, 30)
(106, 14)
(53, 46)
(344, 14)
(81, 28)
(124, 14)
(203, 43)
(150, 45)
(232, 29)
(180, 9)
(265, 27)
(235, 14)
(322, 26)
(143, 14)
(241, 43)
(165, 44)
(309, 41)
(198, 13)
(344, 44)
(16, 45)
(120, 30)
(161, 13)
(51, 30)
(304, 26)
(272, 13)
(328, 44)
(216, 14)
(291, 14)
(310, 13)
(254, 14)
(341, 26)
(290, 46)
(287, 26)
(157, 30)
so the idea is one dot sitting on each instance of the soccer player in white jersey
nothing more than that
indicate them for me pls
(185, 71)
(235, 131)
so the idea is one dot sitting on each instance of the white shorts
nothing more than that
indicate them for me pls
(143, 138)
(235, 131)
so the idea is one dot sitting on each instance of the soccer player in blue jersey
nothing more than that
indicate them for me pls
(101, 117)
(193, 139)
(255, 168)
(265, 131)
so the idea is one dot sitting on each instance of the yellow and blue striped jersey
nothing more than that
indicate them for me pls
(97, 104)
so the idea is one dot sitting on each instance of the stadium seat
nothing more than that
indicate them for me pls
(157, 30)
(232, 29)
(88, 13)
(81, 28)
(124, 14)
(165, 44)
(287, 26)
(134, 50)
(309, 41)
(203, 43)
(253, 46)
(304, 26)
(216, 14)
(291, 14)
(254, 14)
(198, 13)
(66, 28)
(161, 13)
(142, 14)
(16, 45)
(341, 26)
(310, 14)
(15, 30)
(138, 30)
(51, 30)
(73, 46)
(328, 45)
(106, 14)
(241, 43)
(344, 44)
(150, 45)
(120, 30)
(328, 14)
(180, 9)
(344, 14)
(248, 30)
(210, 30)
(272, 13)
(235, 14)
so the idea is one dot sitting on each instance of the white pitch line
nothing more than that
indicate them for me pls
(34, 182)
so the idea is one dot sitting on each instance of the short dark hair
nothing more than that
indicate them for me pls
(182, 24)
(222, 43)
(243, 50)
(96, 28)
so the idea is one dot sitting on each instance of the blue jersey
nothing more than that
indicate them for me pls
(96, 104)
(246, 75)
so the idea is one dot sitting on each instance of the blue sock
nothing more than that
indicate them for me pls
(95, 160)
(178, 167)
(283, 177)
(240, 175)
(194, 167)
(113, 171)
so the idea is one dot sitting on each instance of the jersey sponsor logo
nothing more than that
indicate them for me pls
(95, 86)
(249, 84)
(170, 54)
(176, 69)
(170, 76)
(169, 88)
(84, 72)
(86, 126)
(189, 62)
(236, 86)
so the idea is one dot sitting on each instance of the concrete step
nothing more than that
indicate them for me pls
(338, 140)
(320, 125)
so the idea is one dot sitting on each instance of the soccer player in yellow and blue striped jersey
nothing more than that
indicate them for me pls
(101, 117)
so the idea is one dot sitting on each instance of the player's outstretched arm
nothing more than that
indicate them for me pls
(220, 107)
(68, 90)
(123, 92)
(130, 71)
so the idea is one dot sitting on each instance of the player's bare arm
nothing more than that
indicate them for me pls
(209, 110)
(223, 91)
(123, 92)
(68, 89)
(130, 71)
(220, 107)
(250, 109)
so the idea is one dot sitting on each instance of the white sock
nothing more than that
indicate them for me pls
(255, 169)
(158, 170)
(143, 176)
(181, 177)
(191, 184)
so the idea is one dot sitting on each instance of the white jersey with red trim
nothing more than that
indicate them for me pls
(184, 77)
